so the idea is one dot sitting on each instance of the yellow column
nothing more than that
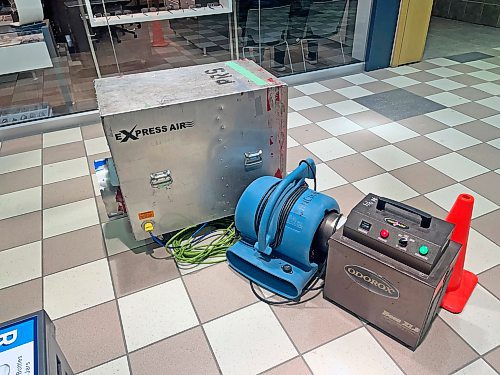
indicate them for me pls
(411, 32)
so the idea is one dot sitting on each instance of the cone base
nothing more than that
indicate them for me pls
(162, 43)
(455, 300)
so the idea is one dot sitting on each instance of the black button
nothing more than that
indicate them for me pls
(403, 242)
(365, 225)
(287, 268)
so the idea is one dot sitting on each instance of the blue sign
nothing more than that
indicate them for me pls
(18, 348)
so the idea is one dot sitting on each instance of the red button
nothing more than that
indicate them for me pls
(384, 233)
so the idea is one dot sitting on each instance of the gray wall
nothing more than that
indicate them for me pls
(484, 12)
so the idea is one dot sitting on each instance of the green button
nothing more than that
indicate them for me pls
(423, 250)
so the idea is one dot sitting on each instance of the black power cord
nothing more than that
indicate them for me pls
(285, 211)
(312, 285)
(311, 169)
(262, 205)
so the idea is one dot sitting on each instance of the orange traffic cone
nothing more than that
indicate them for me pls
(158, 38)
(462, 282)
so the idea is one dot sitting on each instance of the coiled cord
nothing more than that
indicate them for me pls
(189, 249)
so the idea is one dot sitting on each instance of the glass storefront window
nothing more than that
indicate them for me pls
(51, 51)
(294, 36)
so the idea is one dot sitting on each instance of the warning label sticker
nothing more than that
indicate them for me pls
(146, 215)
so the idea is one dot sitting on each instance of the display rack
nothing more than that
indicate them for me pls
(226, 6)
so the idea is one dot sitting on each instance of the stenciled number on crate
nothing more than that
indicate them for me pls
(220, 75)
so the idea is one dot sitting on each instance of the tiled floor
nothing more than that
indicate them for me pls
(421, 134)
(446, 38)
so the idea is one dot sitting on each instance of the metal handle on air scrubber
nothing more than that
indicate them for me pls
(425, 218)
(303, 171)
(253, 160)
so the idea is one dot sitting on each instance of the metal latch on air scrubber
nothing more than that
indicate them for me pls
(162, 179)
(253, 160)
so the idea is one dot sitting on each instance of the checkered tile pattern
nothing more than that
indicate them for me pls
(421, 134)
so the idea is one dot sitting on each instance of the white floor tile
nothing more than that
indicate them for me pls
(390, 157)
(441, 61)
(457, 166)
(485, 75)
(355, 353)
(450, 117)
(290, 142)
(359, 79)
(445, 84)
(401, 81)
(65, 170)
(118, 236)
(69, 217)
(339, 126)
(493, 120)
(20, 202)
(444, 72)
(78, 288)
(453, 139)
(20, 264)
(347, 107)
(117, 366)
(61, 137)
(295, 119)
(478, 367)
(326, 178)
(303, 102)
(249, 341)
(492, 102)
(96, 145)
(329, 149)
(479, 64)
(479, 322)
(312, 88)
(167, 305)
(488, 87)
(445, 198)
(393, 132)
(402, 70)
(95, 185)
(482, 254)
(353, 92)
(495, 143)
(447, 99)
(386, 185)
(22, 160)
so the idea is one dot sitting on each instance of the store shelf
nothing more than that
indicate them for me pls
(158, 16)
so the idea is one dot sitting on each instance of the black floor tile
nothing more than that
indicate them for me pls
(399, 104)
(469, 56)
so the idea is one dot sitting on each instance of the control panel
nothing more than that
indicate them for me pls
(399, 231)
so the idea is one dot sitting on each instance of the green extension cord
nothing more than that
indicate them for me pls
(208, 248)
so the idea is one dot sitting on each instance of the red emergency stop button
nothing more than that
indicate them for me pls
(384, 233)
